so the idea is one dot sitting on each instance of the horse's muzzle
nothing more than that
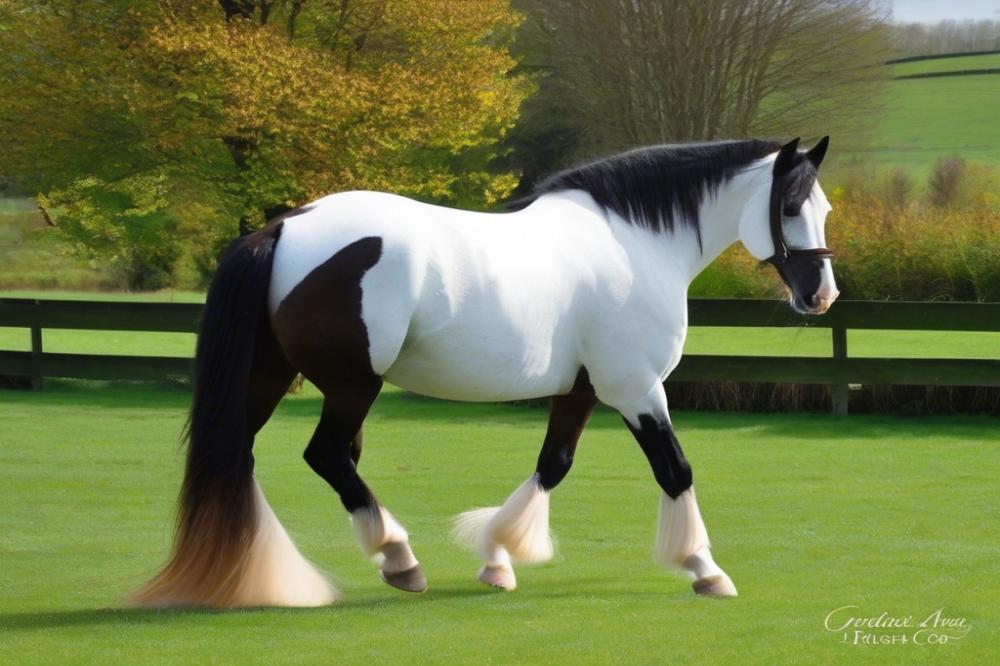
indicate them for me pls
(820, 303)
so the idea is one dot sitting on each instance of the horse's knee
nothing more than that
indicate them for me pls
(670, 468)
(553, 469)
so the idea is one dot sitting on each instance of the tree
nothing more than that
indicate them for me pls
(917, 39)
(646, 71)
(164, 122)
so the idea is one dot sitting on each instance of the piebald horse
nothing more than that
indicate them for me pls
(580, 295)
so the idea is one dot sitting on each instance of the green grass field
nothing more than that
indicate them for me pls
(807, 513)
(930, 118)
(984, 61)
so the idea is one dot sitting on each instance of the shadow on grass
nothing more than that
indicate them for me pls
(40, 620)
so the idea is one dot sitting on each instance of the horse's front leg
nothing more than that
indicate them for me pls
(682, 541)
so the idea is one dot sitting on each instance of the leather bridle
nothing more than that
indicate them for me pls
(782, 253)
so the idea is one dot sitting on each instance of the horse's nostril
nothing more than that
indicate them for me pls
(818, 300)
(821, 304)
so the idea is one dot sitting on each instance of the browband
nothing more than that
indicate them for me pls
(782, 252)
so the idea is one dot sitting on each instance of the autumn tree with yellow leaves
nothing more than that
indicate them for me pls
(153, 130)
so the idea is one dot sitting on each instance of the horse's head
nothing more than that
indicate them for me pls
(783, 225)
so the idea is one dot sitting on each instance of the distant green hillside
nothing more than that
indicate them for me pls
(987, 61)
(929, 118)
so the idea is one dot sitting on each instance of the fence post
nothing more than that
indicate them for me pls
(36, 351)
(839, 392)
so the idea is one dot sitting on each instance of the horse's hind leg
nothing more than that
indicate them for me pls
(332, 453)
(320, 327)
(518, 531)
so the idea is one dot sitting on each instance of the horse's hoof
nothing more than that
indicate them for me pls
(411, 580)
(501, 577)
(719, 585)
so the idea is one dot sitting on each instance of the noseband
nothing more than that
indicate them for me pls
(782, 253)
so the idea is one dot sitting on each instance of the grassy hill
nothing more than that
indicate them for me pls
(950, 64)
(930, 118)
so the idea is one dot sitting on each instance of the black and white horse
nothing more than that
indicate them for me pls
(579, 295)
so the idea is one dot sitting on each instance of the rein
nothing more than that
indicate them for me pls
(782, 253)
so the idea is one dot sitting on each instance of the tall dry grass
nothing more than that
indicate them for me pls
(916, 252)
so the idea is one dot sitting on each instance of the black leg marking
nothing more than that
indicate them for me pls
(331, 450)
(567, 417)
(356, 447)
(658, 442)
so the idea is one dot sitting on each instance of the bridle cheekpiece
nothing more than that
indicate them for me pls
(783, 254)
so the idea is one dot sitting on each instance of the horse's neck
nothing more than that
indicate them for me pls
(719, 220)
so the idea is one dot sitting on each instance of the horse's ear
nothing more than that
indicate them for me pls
(786, 157)
(818, 152)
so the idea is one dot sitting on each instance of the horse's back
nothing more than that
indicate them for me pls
(459, 305)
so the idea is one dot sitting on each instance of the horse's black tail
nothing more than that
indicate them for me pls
(218, 512)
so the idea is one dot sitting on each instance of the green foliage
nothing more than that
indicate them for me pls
(155, 129)
(33, 254)
(125, 221)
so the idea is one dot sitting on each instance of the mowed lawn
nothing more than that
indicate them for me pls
(808, 513)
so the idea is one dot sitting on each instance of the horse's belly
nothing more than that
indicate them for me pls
(455, 367)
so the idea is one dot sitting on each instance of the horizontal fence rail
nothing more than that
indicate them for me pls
(837, 371)
(101, 315)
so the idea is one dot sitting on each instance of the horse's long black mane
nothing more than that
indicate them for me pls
(658, 187)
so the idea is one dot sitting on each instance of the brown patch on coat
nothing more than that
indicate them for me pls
(319, 324)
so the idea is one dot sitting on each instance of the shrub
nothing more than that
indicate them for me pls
(945, 179)
(919, 253)
(898, 188)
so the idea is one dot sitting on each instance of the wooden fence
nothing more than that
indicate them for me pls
(838, 370)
